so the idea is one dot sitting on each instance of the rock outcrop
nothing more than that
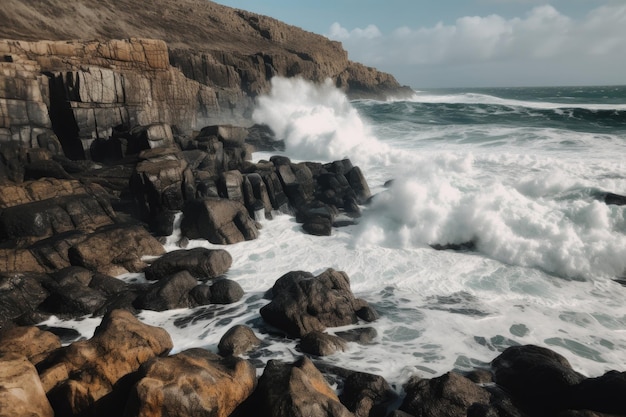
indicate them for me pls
(186, 64)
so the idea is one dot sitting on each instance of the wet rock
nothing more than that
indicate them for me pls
(200, 295)
(226, 291)
(448, 395)
(603, 394)
(201, 263)
(367, 394)
(237, 340)
(614, 199)
(116, 250)
(302, 303)
(77, 376)
(297, 389)
(21, 392)
(219, 221)
(194, 382)
(359, 185)
(74, 299)
(322, 344)
(169, 293)
(362, 335)
(539, 379)
(20, 293)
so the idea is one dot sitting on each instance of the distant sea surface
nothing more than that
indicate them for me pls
(520, 172)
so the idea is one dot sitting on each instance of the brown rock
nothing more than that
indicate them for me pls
(21, 392)
(449, 395)
(297, 389)
(194, 382)
(20, 293)
(302, 303)
(322, 344)
(31, 342)
(237, 340)
(218, 220)
(79, 375)
(201, 263)
(115, 250)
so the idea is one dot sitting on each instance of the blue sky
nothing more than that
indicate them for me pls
(470, 43)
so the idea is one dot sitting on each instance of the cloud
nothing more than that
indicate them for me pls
(543, 37)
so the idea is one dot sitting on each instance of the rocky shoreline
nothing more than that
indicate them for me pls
(103, 143)
(69, 227)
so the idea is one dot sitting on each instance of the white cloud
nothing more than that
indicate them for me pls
(543, 38)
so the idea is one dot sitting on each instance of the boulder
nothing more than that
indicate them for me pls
(302, 303)
(367, 394)
(297, 389)
(29, 341)
(219, 221)
(322, 344)
(115, 250)
(44, 218)
(226, 291)
(21, 392)
(450, 395)
(194, 382)
(169, 293)
(20, 293)
(76, 377)
(604, 394)
(539, 379)
(202, 263)
(237, 340)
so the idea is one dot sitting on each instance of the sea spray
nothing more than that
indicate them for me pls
(317, 122)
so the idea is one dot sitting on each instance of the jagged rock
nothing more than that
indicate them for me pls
(20, 293)
(539, 379)
(366, 394)
(74, 300)
(322, 344)
(77, 376)
(194, 382)
(362, 335)
(615, 199)
(302, 303)
(201, 263)
(260, 195)
(21, 392)
(169, 293)
(237, 340)
(218, 220)
(115, 250)
(297, 389)
(162, 182)
(57, 215)
(448, 395)
(29, 341)
(230, 136)
(226, 291)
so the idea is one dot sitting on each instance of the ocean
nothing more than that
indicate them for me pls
(519, 172)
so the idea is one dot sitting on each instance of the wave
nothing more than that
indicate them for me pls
(477, 98)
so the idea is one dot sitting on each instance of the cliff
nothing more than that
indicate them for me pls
(186, 63)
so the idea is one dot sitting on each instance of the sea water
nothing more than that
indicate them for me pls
(519, 172)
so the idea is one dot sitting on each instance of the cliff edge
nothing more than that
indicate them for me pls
(92, 65)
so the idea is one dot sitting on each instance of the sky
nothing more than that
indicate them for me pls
(470, 43)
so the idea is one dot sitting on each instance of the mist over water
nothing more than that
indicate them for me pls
(517, 172)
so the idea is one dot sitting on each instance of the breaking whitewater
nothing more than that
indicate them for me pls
(517, 176)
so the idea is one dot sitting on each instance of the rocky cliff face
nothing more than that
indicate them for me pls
(186, 63)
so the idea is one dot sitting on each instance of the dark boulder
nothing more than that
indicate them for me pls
(604, 394)
(539, 379)
(20, 293)
(169, 293)
(367, 394)
(302, 303)
(219, 221)
(226, 291)
(237, 340)
(321, 344)
(201, 263)
(450, 395)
